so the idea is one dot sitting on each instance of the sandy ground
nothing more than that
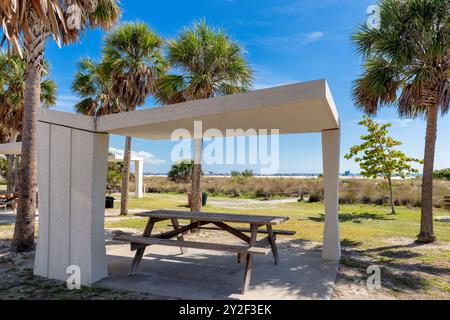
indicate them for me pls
(17, 281)
(404, 274)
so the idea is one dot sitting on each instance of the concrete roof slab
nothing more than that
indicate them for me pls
(298, 108)
(11, 148)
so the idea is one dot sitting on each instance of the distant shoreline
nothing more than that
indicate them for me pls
(286, 176)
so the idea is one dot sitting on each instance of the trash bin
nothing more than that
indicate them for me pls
(204, 199)
(109, 203)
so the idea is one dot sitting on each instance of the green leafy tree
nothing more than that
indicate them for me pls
(442, 174)
(208, 64)
(181, 171)
(94, 86)
(30, 24)
(114, 175)
(3, 168)
(241, 177)
(133, 60)
(12, 102)
(380, 158)
(407, 65)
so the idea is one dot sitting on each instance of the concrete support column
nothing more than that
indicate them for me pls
(331, 144)
(72, 166)
(139, 176)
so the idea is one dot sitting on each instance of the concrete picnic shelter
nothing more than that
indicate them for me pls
(73, 157)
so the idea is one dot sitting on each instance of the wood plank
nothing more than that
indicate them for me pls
(273, 244)
(231, 230)
(176, 226)
(265, 242)
(174, 233)
(249, 261)
(215, 217)
(247, 230)
(194, 245)
(140, 252)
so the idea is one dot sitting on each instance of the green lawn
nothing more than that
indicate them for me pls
(366, 224)
(370, 236)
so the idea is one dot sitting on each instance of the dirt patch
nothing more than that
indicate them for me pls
(407, 242)
(248, 204)
(18, 283)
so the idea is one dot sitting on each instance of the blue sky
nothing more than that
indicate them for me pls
(286, 41)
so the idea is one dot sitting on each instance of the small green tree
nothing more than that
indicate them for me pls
(114, 176)
(3, 168)
(181, 172)
(442, 174)
(241, 177)
(380, 158)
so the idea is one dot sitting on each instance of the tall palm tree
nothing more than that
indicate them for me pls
(209, 64)
(95, 87)
(12, 90)
(30, 23)
(132, 57)
(407, 64)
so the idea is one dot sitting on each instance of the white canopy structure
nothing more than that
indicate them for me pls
(138, 172)
(16, 149)
(73, 156)
(11, 148)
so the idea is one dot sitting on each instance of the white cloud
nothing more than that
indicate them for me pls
(148, 157)
(399, 122)
(301, 6)
(66, 103)
(313, 36)
(288, 42)
(265, 78)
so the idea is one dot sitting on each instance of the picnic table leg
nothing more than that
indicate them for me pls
(176, 226)
(249, 262)
(273, 244)
(140, 252)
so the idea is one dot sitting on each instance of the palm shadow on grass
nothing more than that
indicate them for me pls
(348, 243)
(353, 217)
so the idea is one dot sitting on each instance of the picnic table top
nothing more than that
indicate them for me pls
(8, 193)
(214, 217)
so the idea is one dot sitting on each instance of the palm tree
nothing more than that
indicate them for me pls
(30, 23)
(95, 87)
(407, 64)
(12, 90)
(210, 64)
(132, 58)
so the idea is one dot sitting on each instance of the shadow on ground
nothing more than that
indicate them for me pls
(353, 217)
(7, 219)
(200, 274)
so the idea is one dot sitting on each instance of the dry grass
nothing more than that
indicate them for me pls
(353, 191)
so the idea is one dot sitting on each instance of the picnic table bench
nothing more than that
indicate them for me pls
(8, 198)
(220, 222)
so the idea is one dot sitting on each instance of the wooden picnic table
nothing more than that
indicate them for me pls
(252, 246)
(8, 198)
(8, 193)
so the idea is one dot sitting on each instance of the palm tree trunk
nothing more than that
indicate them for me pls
(16, 174)
(12, 169)
(426, 227)
(196, 190)
(125, 177)
(392, 196)
(23, 239)
(24, 229)
(10, 173)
